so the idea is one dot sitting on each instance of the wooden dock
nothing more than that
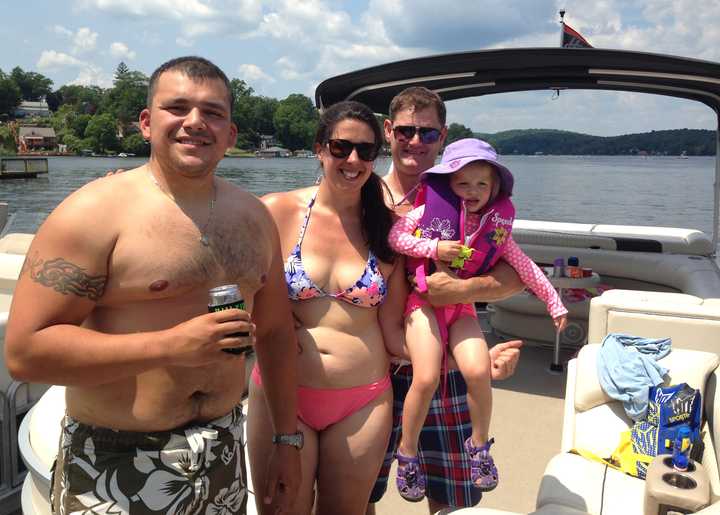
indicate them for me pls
(22, 167)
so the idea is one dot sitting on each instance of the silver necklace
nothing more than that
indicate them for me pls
(204, 239)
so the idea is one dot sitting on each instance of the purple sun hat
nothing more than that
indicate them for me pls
(468, 150)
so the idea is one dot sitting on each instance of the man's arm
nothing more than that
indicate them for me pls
(63, 278)
(444, 287)
(277, 351)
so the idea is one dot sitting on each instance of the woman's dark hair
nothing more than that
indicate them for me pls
(376, 216)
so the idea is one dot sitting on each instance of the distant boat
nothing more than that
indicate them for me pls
(683, 154)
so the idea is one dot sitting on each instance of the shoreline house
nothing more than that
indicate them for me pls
(29, 108)
(36, 138)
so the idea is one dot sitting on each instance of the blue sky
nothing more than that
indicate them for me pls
(286, 46)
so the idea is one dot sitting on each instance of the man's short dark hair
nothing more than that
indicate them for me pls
(418, 98)
(197, 68)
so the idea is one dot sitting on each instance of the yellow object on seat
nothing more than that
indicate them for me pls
(623, 457)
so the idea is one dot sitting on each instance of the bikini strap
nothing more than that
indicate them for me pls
(304, 225)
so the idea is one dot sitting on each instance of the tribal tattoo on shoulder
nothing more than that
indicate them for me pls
(64, 277)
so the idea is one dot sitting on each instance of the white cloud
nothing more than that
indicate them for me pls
(192, 17)
(120, 50)
(88, 74)
(51, 59)
(455, 25)
(311, 21)
(62, 31)
(93, 76)
(252, 72)
(173, 9)
(288, 68)
(84, 40)
(184, 42)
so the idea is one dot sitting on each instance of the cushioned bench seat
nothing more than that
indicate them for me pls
(669, 240)
(680, 264)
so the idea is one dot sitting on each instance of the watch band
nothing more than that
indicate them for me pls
(295, 439)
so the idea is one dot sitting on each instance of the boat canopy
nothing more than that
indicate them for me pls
(487, 72)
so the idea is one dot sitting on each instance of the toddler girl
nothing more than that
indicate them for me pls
(464, 217)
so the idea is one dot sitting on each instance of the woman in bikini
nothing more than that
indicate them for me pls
(338, 268)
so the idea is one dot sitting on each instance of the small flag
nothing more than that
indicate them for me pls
(572, 38)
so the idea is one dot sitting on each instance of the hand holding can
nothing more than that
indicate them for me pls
(228, 297)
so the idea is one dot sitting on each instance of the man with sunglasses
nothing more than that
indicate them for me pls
(416, 132)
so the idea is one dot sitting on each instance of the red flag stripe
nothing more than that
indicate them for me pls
(574, 34)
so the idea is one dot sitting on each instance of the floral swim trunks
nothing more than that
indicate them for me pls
(190, 470)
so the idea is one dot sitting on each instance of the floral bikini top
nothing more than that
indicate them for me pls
(367, 292)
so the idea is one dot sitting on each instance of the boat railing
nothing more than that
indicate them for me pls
(12, 470)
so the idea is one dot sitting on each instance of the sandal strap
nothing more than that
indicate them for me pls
(407, 460)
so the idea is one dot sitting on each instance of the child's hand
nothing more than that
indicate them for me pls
(448, 250)
(560, 322)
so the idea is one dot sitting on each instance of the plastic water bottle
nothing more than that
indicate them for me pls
(681, 449)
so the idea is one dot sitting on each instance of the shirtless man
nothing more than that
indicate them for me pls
(416, 132)
(112, 302)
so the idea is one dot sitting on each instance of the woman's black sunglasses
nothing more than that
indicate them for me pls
(428, 135)
(342, 148)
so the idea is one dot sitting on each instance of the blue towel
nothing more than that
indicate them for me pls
(627, 368)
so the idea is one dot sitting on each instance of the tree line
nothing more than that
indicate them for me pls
(673, 142)
(101, 119)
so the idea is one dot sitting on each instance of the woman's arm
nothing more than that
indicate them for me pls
(391, 311)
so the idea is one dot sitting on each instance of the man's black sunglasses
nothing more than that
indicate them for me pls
(428, 135)
(342, 148)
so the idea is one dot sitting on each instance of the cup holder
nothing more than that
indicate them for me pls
(679, 481)
(668, 463)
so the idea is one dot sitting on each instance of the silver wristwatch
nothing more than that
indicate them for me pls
(295, 439)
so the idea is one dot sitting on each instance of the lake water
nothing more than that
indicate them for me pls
(660, 191)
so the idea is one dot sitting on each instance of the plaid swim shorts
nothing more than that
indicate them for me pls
(441, 451)
(194, 469)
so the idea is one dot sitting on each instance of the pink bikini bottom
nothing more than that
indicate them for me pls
(319, 408)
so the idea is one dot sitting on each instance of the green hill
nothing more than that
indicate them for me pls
(694, 142)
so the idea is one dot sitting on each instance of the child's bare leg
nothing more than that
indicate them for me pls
(471, 354)
(423, 341)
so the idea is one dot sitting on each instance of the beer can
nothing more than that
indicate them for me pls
(228, 297)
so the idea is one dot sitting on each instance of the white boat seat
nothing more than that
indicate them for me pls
(613, 237)
(16, 243)
(593, 421)
(10, 266)
(692, 322)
